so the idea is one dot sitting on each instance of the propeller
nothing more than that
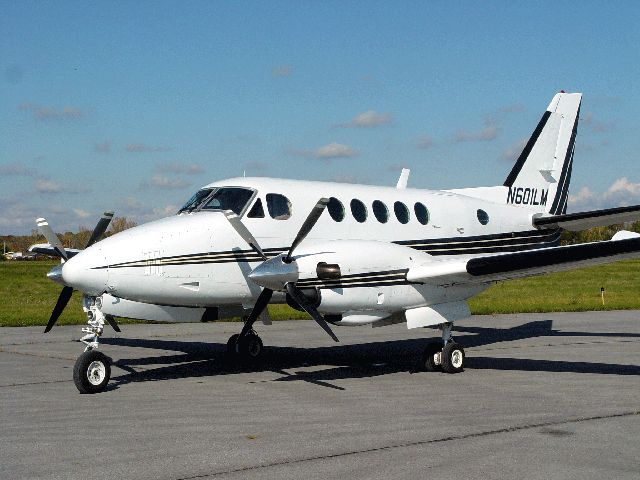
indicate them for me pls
(54, 241)
(280, 273)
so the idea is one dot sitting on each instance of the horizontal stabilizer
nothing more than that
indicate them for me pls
(575, 222)
(523, 264)
(47, 249)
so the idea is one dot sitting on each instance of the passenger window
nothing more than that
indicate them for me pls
(256, 211)
(279, 206)
(358, 210)
(336, 209)
(483, 217)
(380, 211)
(401, 211)
(422, 214)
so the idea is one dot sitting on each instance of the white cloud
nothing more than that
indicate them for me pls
(486, 134)
(425, 141)
(282, 71)
(52, 113)
(166, 183)
(180, 168)
(16, 169)
(621, 193)
(511, 154)
(143, 148)
(81, 213)
(369, 119)
(46, 186)
(334, 150)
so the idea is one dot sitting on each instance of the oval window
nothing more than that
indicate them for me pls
(483, 217)
(422, 214)
(279, 206)
(380, 211)
(358, 210)
(336, 209)
(401, 211)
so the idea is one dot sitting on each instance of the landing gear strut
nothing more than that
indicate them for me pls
(448, 356)
(92, 370)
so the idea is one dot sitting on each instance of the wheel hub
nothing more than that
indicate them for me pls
(96, 373)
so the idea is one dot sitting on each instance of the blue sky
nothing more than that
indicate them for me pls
(132, 106)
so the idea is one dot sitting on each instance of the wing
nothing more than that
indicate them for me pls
(489, 268)
(584, 220)
(47, 249)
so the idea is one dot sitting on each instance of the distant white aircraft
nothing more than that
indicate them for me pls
(380, 256)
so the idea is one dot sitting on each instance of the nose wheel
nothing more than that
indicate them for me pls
(92, 372)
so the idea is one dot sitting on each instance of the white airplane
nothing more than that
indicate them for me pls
(381, 255)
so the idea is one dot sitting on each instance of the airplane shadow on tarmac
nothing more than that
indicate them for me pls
(200, 359)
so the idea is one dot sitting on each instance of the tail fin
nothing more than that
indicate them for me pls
(540, 178)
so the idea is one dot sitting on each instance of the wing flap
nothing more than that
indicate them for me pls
(576, 222)
(523, 264)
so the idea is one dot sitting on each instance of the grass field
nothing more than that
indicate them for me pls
(27, 296)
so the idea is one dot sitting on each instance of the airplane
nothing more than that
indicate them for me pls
(379, 255)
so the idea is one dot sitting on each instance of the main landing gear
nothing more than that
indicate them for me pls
(92, 370)
(448, 355)
(246, 347)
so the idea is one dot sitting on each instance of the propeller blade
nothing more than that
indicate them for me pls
(244, 232)
(261, 304)
(307, 226)
(52, 238)
(101, 227)
(301, 300)
(113, 323)
(63, 299)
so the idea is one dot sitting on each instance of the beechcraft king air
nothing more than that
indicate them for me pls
(378, 255)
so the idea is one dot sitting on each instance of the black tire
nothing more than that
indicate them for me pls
(92, 372)
(232, 344)
(452, 358)
(428, 363)
(250, 347)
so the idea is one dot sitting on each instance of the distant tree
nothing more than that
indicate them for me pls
(119, 224)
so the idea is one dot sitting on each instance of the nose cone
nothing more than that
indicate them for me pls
(85, 272)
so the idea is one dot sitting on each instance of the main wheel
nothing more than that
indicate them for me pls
(431, 357)
(452, 358)
(250, 347)
(92, 371)
(232, 344)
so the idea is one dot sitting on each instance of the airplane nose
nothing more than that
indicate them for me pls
(81, 273)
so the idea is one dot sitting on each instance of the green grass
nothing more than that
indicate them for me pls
(27, 296)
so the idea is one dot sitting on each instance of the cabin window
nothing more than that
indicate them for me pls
(483, 217)
(358, 210)
(401, 211)
(279, 206)
(422, 214)
(257, 211)
(380, 211)
(336, 209)
(229, 198)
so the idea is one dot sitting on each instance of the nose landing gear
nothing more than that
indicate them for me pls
(92, 370)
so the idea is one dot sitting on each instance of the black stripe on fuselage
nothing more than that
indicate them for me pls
(495, 243)
(515, 171)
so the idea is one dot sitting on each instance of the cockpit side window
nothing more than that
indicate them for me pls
(256, 211)
(196, 200)
(279, 206)
(229, 198)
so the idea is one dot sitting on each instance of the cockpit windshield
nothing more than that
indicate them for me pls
(224, 198)
(229, 198)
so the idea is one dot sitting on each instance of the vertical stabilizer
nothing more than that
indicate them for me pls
(541, 175)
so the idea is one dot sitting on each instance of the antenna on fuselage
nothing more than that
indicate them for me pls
(404, 178)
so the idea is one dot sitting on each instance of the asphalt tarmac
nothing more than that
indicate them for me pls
(542, 396)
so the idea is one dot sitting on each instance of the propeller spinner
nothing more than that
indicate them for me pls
(280, 273)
